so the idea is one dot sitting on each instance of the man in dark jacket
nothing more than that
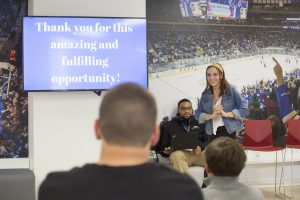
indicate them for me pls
(184, 122)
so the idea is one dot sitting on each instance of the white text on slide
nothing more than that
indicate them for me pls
(103, 78)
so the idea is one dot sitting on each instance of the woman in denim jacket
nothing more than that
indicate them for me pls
(221, 106)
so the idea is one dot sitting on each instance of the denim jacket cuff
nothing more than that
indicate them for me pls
(201, 118)
(236, 114)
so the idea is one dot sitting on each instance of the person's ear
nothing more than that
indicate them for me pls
(155, 136)
(207, 169)
(97, 129)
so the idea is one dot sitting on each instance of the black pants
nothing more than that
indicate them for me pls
(221, 132)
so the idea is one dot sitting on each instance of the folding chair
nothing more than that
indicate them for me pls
(16, 184)
(293, 141)
(258, 137)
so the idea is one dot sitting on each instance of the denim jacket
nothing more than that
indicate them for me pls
(232, 101)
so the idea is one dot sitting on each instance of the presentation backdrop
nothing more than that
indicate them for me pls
(181, 46)
(13, 102)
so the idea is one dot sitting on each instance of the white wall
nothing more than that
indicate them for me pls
(101, 8)
(62, 128)
(61, 124)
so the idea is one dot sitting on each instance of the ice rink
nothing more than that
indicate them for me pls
(172, 86)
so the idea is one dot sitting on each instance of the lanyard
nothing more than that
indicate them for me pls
(186, 127)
